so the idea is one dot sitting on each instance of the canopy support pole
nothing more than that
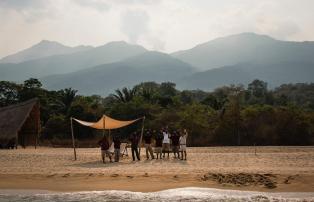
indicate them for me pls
(73, 143)
(104, 123)
(36, 141)
(109, 137)
(140, 145)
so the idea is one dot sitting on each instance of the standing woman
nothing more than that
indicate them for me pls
(182, 140)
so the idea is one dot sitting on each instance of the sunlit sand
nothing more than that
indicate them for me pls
(54, 169)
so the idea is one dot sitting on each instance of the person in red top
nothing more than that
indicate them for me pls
(104, 147)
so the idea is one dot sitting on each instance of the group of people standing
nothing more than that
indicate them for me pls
(165, 143)
(163, 140)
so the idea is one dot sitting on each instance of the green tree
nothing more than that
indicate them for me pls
(9, 93)
(67, 96)
(124, 95)
(148, 90)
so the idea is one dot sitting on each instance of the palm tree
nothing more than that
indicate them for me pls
(67, 96)
(147, 90)
(125, 95)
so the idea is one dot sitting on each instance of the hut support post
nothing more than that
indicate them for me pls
(142, 131)
(73, 141)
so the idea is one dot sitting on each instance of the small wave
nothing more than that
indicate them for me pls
(181, 194)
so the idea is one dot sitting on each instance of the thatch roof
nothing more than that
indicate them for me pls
(13, 117)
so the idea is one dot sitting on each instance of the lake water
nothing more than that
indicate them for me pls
(181, 194)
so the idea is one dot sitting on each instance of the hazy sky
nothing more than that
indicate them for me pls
(164, 25)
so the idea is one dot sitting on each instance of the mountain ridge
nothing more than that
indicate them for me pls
(44, 48)
(245, 47)
(59, 64)
(233, 59)
(103, 79)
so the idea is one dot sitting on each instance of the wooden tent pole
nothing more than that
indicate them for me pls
(141, 135)
(104, 125)
(36, 142)
(17, 140)
(73, 143)
(109, 137)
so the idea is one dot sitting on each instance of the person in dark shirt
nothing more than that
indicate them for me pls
(175, 137)
(104, 147)
(148, 146)
(116, 145)
(134, 138)
(158, 144)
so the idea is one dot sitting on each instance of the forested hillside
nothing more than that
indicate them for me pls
(229, 115)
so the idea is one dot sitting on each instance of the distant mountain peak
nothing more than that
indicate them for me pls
(119, 44)
(233, 49)
(248, 35)
(47, 43)
(44, 41)
(44, 48)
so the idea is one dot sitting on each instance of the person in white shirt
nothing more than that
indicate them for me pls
(184, 136)
(166, 143)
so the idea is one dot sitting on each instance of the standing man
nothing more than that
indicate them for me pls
(158, 144)
(148, 146)
(166, 143)
(116, 145)
(182, 140)
(175, 137)
(134, 146)
(104, 147)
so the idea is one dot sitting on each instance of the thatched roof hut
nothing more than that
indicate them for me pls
(20, 124)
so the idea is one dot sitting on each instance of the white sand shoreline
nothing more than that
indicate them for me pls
(54, 169)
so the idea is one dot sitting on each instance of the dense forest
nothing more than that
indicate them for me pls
(229, 115)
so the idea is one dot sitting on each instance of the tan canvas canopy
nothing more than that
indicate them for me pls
(106, 123)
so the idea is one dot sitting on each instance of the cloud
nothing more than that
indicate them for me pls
(157, 44)
(21, 5)
(278, 29)
(167, 25)
(98, 5)
(30, 10)
(141, 2)
(134, 23)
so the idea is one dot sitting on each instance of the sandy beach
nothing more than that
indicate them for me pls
(288, 169)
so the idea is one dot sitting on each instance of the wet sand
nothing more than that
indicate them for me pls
(291, 169)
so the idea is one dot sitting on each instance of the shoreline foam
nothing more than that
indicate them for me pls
(180, 194)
